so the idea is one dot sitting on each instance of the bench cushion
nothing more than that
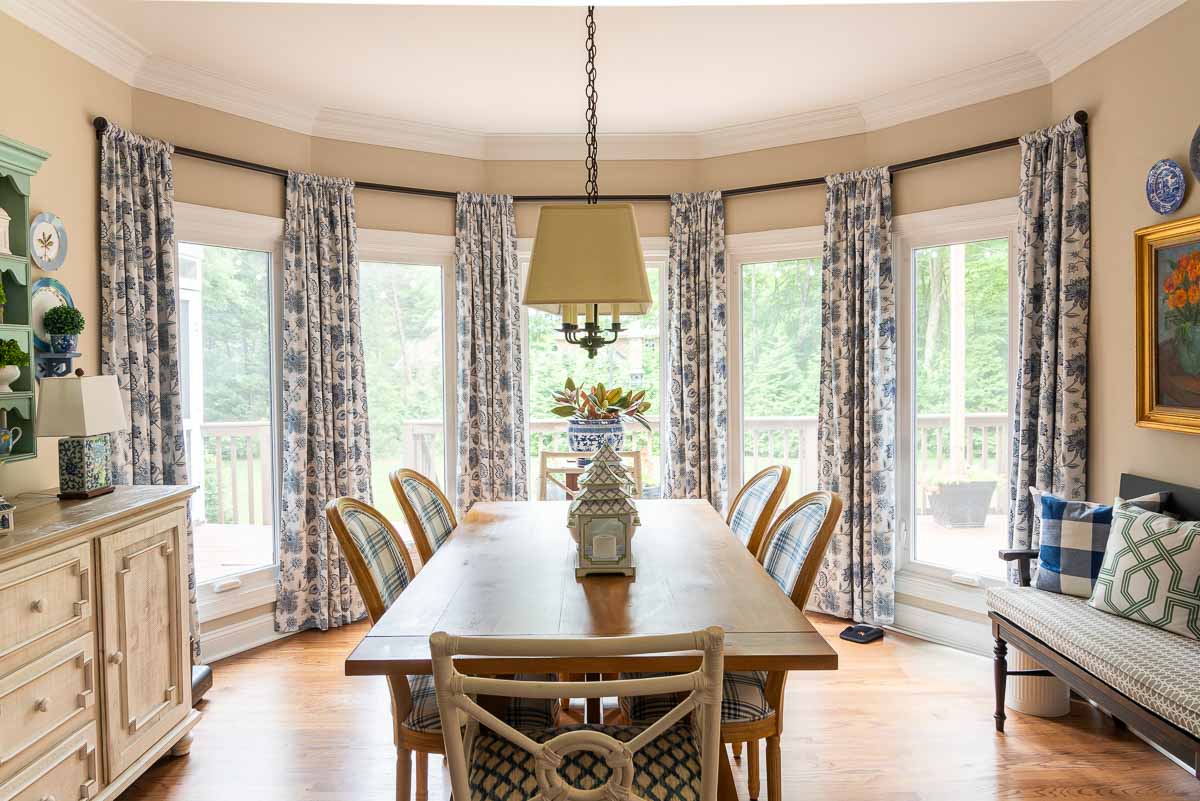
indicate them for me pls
(1155, 668)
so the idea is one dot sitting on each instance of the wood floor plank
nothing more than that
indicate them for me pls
(902, 720)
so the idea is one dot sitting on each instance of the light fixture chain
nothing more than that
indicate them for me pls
(593, 167)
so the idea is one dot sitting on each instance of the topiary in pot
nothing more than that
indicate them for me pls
(64, 324)
(12, 359)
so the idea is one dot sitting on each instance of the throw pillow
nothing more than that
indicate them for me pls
(1151, 571)
(1072, 539)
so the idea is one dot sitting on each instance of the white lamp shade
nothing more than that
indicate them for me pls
(588, 254)
(80, 406)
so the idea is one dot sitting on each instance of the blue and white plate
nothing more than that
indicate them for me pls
(1194, 154)
(1165, 186)
(48, 241)
(47, 293)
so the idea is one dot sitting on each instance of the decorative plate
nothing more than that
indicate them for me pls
(48, 241)
(47, 293)
(1165, 186)
(1194, 154)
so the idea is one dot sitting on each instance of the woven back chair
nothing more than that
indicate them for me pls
(429, 516)
(496, 761)
(755, 504)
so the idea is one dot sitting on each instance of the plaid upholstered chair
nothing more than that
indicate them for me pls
(752, 702)
(669, 759)
(429, 516)
(382, 569)
(755, 505)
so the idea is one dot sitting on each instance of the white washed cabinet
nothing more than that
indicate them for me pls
(95, 665)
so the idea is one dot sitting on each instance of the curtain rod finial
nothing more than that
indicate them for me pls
(100, 124)
(1081, 117)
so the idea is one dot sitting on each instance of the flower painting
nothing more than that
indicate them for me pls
(1168, 257)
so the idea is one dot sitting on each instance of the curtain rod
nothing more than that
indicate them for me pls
(1081, 117)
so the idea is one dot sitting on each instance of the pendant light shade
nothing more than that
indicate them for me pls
(588, 255)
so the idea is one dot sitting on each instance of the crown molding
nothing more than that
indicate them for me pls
(84, 33)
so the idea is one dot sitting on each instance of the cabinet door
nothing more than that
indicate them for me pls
(146, 656)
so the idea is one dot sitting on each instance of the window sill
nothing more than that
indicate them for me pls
(257, 589)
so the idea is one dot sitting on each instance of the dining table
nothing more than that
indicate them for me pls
(508, 570)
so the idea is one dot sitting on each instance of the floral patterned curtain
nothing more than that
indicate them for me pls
(139, 312)
(856, 419)
(698, 396)
(492, 430)
(326, 442)
(1054, 255)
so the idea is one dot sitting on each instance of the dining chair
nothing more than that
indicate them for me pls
(556, 468)
(429, 516)
(752, 703)
(755, 504)
(663, 760)
(382, 569)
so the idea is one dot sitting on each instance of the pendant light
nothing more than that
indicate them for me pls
(587, 259)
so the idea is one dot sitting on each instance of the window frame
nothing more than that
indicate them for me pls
(922, 587)
(786, 244)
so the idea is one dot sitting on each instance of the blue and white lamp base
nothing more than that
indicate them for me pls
(84, 467)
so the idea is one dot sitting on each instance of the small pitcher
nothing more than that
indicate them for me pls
(8, 438)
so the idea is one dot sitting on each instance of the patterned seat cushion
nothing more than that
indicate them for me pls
(434, 517)
(667, 769)
(793, 539)
(751, 504)
(744, 699)
(526, 714)
(380, 550)
(1155, 668)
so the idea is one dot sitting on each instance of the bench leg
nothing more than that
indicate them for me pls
(1000, 665)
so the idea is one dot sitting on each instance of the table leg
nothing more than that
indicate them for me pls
(726, 787)
(595, 714)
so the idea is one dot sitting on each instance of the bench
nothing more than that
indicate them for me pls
(1144, 677)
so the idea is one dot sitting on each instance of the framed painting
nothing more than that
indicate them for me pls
(1168, 325)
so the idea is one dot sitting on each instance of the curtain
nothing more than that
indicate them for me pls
(697, 400)
(139, 312)
(326, 442)
(1054, 250)
(856, 419)
(492, 430)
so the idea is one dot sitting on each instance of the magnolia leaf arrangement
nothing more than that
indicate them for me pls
(11, 354)
(600, 403)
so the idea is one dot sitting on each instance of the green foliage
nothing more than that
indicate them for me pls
(63, 320)
(236, 314)
(11, 354)
(599, 403)
(781, 338)
(3, 294)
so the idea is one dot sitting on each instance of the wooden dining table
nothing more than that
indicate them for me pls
(508, 570)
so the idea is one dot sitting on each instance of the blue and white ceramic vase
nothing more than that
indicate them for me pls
(586, 436)
(63, 343)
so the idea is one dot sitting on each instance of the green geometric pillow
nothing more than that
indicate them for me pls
(1151, 571)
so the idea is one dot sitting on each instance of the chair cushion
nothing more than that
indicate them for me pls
(434, 517)
(793, 539)
(668, 768)
(751, 504)
(380, 550)
(1155, 668)
(526, 714)
(744, 699)
(1071, 539)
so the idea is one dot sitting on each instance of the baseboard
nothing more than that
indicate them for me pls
(955, 632)
(237, 637)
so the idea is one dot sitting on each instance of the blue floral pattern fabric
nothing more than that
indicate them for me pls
(698, 399)
(326, 442)
(492, 430)
(1054, 266)
(139, 316)
(856, 416)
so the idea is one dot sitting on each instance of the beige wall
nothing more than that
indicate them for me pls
(1141, 111)
(1144, 106)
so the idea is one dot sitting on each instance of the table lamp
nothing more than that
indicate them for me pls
(84, 411)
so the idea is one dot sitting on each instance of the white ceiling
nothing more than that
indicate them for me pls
(445, 78)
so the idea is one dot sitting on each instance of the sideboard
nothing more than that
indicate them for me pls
(95, 654)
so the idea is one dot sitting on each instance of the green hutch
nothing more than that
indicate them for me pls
(18, 163)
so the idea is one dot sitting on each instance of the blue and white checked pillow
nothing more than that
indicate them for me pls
(433, 515)
(751, 504)
(789, 547)
(1073, 535)
(380, 550)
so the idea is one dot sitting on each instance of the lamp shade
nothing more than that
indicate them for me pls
(80, 406)
(588, 254)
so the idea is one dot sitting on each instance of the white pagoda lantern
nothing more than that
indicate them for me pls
(603, 517)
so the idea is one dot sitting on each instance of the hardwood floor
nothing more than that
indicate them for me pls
(904, 720)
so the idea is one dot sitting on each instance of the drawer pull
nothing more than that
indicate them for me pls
(42, 704)
(38, 605)
(116, 657)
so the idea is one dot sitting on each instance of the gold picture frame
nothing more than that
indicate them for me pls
(1167, 294)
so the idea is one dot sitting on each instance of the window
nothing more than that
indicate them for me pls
(633, 362)
(402, 310)
(226, 371)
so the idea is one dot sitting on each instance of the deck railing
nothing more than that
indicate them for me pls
(236, 483)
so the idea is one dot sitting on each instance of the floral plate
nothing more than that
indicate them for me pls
(48, 241)
(1165, 186)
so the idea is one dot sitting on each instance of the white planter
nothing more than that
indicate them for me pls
(8, 374)
(1044, 696)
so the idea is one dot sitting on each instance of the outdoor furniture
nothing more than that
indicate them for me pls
(562, 469)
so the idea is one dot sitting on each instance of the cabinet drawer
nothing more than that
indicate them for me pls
(67, 773)
(44, 603)
(53, 694)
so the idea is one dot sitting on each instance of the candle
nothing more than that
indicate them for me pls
(591, 313)
(616, 321)
(568, 314)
